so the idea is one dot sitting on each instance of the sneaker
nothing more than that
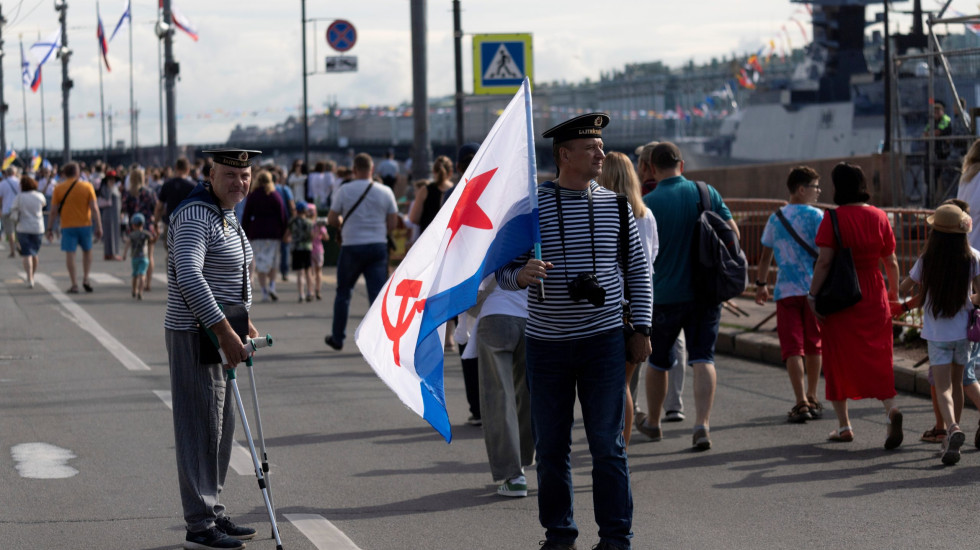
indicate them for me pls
(212, 539)
(674, 416)
(653, 432)
(328, 340)
(951, 447)
(552, 545)
(513, 487)
(474, 421)
(229, 528)
(700, 439)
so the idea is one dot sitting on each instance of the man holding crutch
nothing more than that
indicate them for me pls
(208, 266)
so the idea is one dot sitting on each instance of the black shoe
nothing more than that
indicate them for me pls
(234, 531)
(273, 295)
(552, 545)
(212, 539)
(603, 545)
(333, 343)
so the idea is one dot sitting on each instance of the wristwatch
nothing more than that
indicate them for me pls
(640, 329)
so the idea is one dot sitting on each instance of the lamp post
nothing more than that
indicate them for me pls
(66, 83)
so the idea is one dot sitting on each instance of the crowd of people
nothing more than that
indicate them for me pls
(547, 329)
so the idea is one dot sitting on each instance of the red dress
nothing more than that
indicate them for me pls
(857, 341)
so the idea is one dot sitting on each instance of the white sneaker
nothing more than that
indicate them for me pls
(513, 487)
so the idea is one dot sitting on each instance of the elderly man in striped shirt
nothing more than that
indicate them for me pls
(207, 266)
(574, 333)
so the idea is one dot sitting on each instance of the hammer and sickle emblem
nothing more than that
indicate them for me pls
(407, 289)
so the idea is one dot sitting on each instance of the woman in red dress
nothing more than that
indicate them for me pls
(857, 341)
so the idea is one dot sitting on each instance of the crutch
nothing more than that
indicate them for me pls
(252, 345)
(248, 431)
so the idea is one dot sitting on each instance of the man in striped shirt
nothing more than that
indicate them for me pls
(208, 265)
(574, 334)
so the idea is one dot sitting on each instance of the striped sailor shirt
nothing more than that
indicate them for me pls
(558, 317)
(207, 263)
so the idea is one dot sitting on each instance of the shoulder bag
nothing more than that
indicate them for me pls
(840, 289)
(796, 236)
(340, 231)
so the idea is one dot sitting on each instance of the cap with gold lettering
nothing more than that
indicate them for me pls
(584, 126)
(239, 158)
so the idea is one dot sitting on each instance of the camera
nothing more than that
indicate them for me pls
(586, 287)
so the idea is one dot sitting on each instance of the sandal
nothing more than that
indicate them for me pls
(72, 290)
(844, 434)
(933, 435)
(895, 434)
(816, 409)
(799, 414)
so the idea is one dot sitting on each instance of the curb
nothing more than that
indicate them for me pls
(764, 347)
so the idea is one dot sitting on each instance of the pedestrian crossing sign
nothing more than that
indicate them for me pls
(500, 63)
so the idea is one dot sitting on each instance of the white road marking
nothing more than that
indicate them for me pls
(42, 461)
(160, 278)
(323, 534)
(104, 278)
(241, 459)
(88, 324)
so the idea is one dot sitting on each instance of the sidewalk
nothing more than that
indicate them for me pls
(738, 336)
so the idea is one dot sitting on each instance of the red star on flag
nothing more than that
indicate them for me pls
(467, 212)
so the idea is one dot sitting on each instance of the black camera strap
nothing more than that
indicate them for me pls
(561, 226)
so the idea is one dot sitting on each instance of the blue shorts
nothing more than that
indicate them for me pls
(969, 373)
(72, 237)
(30, 243)
(700, 325)
(944, 353)
(140, 265)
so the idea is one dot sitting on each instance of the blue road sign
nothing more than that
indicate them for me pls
(341, 35)
(500, 62)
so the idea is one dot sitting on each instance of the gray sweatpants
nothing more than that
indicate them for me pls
(204, 428)
(505, 403)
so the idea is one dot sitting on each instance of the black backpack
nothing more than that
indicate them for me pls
(719, 266)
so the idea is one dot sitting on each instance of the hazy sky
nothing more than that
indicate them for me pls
(248, 58)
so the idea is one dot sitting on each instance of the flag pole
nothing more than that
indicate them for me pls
(23, 92)
(44, 139)
(98, 59)
(532, 175)
(132, 106)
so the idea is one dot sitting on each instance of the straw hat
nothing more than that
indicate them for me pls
(949, 218)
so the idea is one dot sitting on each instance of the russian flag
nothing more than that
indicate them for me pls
(490, 219)
(103, 45)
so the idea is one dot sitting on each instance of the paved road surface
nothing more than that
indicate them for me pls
(353, 468)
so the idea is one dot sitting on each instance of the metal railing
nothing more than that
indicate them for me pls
(908, 224)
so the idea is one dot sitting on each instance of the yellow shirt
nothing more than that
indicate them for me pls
(76, 211)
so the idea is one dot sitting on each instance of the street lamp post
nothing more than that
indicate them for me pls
(61, 6)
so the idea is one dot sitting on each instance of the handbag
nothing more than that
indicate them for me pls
(973, 327)
(237, 317)
(840, 289)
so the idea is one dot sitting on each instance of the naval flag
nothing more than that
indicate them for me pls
(488, 220)
(126, 16)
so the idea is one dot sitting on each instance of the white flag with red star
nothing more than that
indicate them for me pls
(486, 222)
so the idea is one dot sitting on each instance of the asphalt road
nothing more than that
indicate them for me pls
(353, 468)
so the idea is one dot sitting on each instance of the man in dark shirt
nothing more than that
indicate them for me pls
(172, 193)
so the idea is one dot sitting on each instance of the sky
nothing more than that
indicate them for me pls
(246, 66)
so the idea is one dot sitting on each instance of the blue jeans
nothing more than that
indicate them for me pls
(371, 260)
(594, 366)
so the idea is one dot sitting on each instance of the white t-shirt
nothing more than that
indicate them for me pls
(970, 192)
(369, 223)
(297, 182)
(946, 329)
(649, 238)
(31, 212)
